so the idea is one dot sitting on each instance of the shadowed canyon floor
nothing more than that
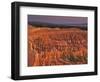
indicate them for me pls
(56, 46)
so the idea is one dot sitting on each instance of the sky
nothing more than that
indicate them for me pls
(57, 19)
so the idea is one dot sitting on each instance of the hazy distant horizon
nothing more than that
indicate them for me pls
(63, 20)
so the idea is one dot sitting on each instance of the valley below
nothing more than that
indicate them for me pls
(56, 46)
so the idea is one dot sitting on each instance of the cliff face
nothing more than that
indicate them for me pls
(55, 46)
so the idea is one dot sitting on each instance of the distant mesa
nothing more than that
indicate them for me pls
(52, 25)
